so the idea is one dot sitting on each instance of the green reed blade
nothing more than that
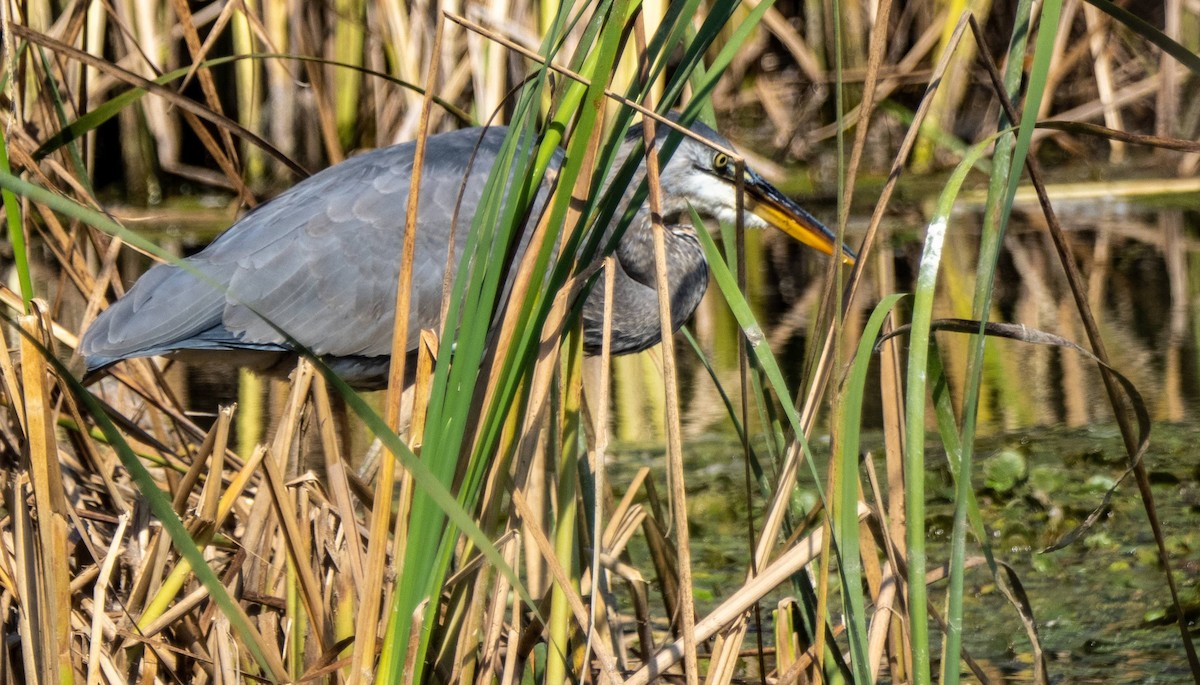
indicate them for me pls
(848, 417)
(1148, 31)
(995, 225)
(914, 458)
(16, 231)
(756, 340)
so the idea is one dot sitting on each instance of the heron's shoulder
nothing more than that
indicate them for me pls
(444, 150)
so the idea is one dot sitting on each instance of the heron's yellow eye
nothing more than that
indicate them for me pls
(720, 161)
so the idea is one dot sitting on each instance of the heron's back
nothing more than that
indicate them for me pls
(320, 262)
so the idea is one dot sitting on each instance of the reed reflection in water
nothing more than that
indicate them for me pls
(1143, 272)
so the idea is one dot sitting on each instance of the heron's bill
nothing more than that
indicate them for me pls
(775, 208)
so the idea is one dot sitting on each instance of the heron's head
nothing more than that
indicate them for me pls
(706, 178)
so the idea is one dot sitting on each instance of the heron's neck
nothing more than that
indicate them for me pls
(635, 323)
(687, 271)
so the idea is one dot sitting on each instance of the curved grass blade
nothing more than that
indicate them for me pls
(848, 419)
(74, 210)
(757, 344)
(186, 104)
(91, 120)
(1033, 336)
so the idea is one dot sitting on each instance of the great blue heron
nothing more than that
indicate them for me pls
(321, 260)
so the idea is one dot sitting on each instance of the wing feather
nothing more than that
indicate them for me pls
(320, 261)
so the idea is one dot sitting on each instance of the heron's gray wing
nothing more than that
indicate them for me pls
(321, 261)
(166, 305)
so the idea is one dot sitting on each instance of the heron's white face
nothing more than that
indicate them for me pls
(717, 197)
(706, 180)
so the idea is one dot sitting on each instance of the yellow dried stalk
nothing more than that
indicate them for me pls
(791, 561)
(337, 480)
(49, 505)
(787, 638)
(674, 434)
(205, 524)
(563, 581)
(296, 542)
(498, 603)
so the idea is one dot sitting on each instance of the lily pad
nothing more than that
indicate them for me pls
(1005, 470)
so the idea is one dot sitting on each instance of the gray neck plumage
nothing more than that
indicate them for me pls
(687, 271)
(635, 302)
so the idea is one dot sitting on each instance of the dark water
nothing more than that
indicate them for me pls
(1102, 604)
(1142, 266)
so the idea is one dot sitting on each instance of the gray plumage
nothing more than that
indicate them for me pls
(321, 261)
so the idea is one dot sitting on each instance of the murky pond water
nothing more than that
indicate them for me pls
(1101, 604)
(1142, 266)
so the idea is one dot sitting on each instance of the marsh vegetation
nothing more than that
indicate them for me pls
(1018, 181)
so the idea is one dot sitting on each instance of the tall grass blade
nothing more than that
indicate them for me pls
(511, 189)
(994, 231)
(848, 414)
(931, 256)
